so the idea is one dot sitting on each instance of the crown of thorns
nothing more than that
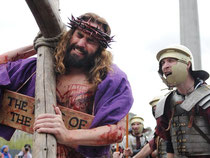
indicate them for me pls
(103, 38)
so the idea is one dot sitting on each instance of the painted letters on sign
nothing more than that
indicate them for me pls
(17, 111)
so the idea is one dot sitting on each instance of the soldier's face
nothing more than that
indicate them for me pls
(137, 127)
(166, 65)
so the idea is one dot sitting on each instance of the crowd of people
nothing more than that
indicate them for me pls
(88, 81)
(5, 152)
(24, 153)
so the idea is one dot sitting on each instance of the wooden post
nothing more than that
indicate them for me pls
(48, 19)
(117, 147)
(126, 146)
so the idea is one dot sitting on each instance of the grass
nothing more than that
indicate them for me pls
(17, 142)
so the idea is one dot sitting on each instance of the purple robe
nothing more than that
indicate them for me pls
(113, 98)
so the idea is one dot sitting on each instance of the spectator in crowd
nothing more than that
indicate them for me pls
(137, 137)
(5, 152)
(25, 152)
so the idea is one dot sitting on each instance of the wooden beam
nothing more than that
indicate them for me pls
(47, 16)
(44, 145)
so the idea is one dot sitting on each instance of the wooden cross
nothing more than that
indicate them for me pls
(46, 13)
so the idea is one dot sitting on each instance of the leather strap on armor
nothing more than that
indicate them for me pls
(201, 133)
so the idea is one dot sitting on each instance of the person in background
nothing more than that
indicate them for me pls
(25, 152)
(5, 152)
(137, 138)
(146, 150)
(117, 154)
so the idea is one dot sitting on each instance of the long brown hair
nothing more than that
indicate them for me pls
(102, 61)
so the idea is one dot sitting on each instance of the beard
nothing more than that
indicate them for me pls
(72, 60)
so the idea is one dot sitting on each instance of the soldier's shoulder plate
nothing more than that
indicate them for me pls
(205, 102)
(161, 105)
(200, 96)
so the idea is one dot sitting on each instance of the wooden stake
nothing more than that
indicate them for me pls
(46, 13)
(117, 147)
(126, 133)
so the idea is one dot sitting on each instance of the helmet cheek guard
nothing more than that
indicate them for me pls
(178, 75)
(141, 128)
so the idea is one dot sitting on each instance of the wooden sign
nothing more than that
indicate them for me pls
(17, 111)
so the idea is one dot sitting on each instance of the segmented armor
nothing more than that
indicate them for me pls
(190, 130)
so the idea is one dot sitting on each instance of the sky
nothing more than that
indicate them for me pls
(140, 28)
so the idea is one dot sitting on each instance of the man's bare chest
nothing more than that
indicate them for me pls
(75, 93)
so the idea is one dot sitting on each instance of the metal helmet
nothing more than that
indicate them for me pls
(153, 103)
(179, 71)
(179, 52)
(139, 120)
(155, 100)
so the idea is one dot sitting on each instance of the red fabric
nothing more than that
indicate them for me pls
(67, 152)
(138, 143)
(152, 145)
